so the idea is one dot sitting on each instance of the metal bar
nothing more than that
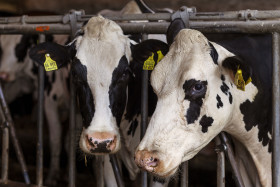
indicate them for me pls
(275, 111)
(229, 153)
(144, 112)
(185, 175)
(220, 163)
(116, 169)
(10, 123)
(72, 125)
(40, 122)
(5, 149)
(265, 26)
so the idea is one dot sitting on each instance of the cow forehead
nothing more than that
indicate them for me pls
(102, 46)
(188, 58)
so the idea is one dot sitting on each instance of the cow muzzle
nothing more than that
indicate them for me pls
(101, 142)
(4, 76)
(147, 160)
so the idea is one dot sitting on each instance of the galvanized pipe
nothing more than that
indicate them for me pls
(116, 169)
(230, 155)
(72, 114)
(10, 123)
(276, 111)
(5, 150)
(40, 122)
(185, 175)
(144, 112)
(220, 163)
(152, 27)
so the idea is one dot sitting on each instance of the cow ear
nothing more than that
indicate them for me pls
(234, 63)
(25, 43)
(58, 53)
(175, 26)
(141, 52)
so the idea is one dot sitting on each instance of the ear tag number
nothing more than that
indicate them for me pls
(149, 64)
(49, 63)
(239, 81)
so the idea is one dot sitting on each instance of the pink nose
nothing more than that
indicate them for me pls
(4, 76)
(101, 142)
(147, 160)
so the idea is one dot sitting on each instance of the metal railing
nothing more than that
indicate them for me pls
(245, 21)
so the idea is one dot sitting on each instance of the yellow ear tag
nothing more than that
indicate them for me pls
(239, 81)
(49, 63)
(160, 56)
(149, 64)
(86, 160)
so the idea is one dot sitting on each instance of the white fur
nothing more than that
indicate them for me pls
(168, 133)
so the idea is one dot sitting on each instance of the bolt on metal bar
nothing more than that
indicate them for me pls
(10, 123)
(276, 110)
(144, 112)
(185, 175)
(229, 153)
(116, 169)
(5, 149)
(40, 122)
(220, 164)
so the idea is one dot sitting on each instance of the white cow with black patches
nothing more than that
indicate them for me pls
(107, 84)
(197, 99)
(20, 76)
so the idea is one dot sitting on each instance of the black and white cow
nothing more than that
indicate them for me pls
(198, 98)
(20, 77)
(107, 73)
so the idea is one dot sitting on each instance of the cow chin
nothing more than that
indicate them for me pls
(103, 143)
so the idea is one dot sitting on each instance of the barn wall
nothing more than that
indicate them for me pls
(92, 6)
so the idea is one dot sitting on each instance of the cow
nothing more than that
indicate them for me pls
(204, 88)
(20, 74)
(106, 69)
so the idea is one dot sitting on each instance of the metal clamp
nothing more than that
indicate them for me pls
(247, 15)
(183, 13)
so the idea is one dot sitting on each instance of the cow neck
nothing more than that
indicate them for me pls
(252, 138)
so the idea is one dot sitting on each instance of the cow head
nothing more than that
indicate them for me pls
(100, 64)
(14, 58)
(195, 90)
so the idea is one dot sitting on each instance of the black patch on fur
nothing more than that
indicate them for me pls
(132, 127)
(48, 84)
(223, 78)
(225, 88)
(213, 53)
(196, 101)
(24, 44)
(230, 97)
(53, 77)
(220, 103)
(206, 122)
(117, 89)
(35, 69)
(84, 94)
(54, 97)
(258, 114)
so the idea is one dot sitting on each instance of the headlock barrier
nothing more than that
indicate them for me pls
(244, 21)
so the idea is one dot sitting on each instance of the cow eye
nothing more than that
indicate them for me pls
(198, 87)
